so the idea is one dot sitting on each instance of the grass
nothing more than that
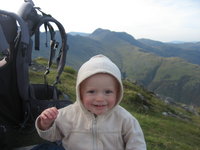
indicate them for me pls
(169, 133)
(163, 132)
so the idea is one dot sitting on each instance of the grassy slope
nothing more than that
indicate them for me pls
(177, 78)
(173, 76)
(161, 132)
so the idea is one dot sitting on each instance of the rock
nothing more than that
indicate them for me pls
(164, 113)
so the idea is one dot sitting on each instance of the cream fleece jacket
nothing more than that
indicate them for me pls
(79, 129)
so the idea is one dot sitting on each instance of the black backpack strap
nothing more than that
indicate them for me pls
(29, 13)
(37, 39)
(61, 59)
(3, 42)
(53, 48)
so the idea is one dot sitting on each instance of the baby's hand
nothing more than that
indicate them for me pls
(47, 117)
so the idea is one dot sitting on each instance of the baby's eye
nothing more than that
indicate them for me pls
(91, 91)
(108, 91)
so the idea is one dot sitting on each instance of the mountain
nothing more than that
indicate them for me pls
(151, 64)
(79, 33)
(187, 51)
(170, 76)
(176, 42)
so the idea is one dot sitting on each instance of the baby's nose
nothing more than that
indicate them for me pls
(100, 97)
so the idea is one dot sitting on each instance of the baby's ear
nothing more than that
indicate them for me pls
(80, 90)
(118, 91)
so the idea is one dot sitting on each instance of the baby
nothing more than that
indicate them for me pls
(95, 121)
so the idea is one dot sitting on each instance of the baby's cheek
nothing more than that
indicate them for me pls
(87, 104)
(112, 103)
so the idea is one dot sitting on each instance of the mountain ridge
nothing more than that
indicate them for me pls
(140, 62)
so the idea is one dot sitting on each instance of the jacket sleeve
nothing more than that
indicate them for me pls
(133, 135)
(52, 134)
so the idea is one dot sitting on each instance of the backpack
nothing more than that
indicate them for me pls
(20, 101)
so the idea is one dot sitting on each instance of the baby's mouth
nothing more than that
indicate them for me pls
(99, 105)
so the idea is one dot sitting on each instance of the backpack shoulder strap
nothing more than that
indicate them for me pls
(29, 14)
(61, 59)
(3, 42)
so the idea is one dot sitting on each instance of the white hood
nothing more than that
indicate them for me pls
(97, 64)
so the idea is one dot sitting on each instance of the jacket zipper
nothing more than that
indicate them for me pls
(94, 132)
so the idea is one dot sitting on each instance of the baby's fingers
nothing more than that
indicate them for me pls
(50, 113)
(44, 116)
(54, 111)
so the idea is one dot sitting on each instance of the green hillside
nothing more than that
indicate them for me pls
(188, 51)
(170, 77)
(166, 125)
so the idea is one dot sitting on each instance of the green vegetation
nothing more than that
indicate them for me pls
(168, 70)
(160, 67)
(162, 132)
(178, 131)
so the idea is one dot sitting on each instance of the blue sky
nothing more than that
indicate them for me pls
(162, 20)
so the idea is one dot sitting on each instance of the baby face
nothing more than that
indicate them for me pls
(99, 93)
